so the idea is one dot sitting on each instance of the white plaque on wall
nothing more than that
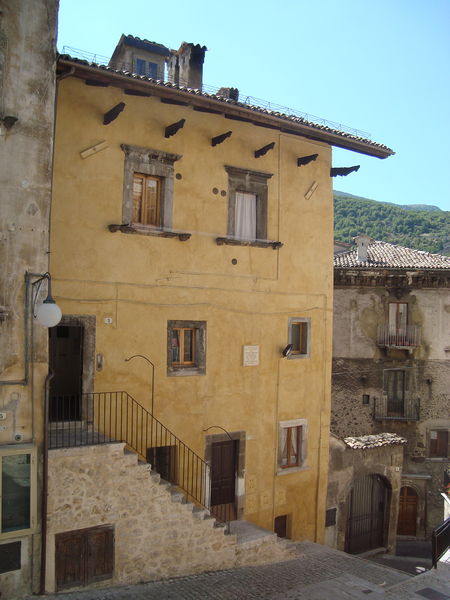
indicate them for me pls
(251, 356)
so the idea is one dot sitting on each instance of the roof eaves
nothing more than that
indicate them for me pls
(293, 124)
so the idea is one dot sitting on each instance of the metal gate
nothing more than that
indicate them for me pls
(367, 521)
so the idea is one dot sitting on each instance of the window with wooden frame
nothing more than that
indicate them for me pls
(291, 444)
(438, 443)
(147, 192)
(148, 189)
(299, 334)
(17, 491)
(186, 347)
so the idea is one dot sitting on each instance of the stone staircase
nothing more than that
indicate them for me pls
(158, 534)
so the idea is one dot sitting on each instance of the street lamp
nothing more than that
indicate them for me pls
(48, 313)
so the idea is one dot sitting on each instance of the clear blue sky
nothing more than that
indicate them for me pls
(381, 66)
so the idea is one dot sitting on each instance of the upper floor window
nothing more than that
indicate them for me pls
(148, 187)
(149, 69)
(299, 337)
(438, 443)
(147, 191)
(292, 442)
(394, 389)
(247, 208)
(186, 347)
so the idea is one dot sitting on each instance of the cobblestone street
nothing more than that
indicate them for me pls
(319, 573)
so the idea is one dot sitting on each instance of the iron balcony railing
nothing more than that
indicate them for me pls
(399, 337)
(387, 409)
(101, 418)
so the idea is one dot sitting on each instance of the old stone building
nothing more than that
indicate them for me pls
(391, 351)
(27, 86)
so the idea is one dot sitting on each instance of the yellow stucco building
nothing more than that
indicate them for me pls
(196, 232)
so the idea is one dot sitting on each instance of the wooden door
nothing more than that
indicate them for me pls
(223, 478)
(66, 362)
(84, 556)
(407, 513)
(367, 515)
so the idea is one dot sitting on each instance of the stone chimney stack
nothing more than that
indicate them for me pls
(185, 66)
(362, 243)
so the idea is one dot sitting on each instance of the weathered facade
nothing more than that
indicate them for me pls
(27, 86)
(391, 353)
(185, 257)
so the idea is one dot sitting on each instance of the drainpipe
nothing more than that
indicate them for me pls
(49, 377)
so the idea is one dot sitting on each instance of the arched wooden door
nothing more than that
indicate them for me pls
(407, 513)
(367, 521)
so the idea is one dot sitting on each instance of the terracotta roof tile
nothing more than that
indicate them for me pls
(384, 255)
(255, 108)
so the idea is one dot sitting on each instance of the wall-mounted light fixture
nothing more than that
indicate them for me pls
(48, 312)
(287, 351)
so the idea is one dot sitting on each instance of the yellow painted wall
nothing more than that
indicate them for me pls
(141, 282)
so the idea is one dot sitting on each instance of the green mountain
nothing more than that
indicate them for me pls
(422, 227)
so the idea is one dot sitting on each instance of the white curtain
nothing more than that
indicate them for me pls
(245, 216)
(283, 447)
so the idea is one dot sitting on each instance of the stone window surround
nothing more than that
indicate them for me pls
(303, 449)
(200, 349)
(240, 475)
(293, 320)
(148, 161)
(255, 182)
(15, 449)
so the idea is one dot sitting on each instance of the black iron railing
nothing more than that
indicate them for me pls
(100, 418)
(396, 410)
(407, 336)
(440, 541)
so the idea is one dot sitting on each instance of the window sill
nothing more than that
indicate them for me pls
(288, 470)
(437, 459)
(185, 371)
(220, 241)
(143, 230)
(297, 356)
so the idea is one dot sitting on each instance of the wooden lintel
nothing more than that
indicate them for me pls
(218, 139)
(112, 114)
(172, 101)
(174, 128)
(264, 150)
(131, 92)
(96, 83)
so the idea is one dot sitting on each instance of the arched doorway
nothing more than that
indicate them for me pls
(367, 521)
(407, 512)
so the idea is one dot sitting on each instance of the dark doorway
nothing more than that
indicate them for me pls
(163, 460)
(223, 479)
(280, 526)
(84, 556)
(66, 362)
(407, 513)
(367, 520)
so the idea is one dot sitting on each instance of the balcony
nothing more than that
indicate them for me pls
(406, 410)
(407, 337)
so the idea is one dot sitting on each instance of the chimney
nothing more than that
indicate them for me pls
(185, 65)
(229, 93)
(362, 243)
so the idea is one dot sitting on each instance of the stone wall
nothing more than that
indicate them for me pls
(155, 536)
(346, 466)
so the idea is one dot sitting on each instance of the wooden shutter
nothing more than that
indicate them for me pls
(439, 443)
(146, 200)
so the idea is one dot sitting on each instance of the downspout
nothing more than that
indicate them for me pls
(49, 377)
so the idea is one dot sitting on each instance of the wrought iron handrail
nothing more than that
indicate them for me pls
(407, 336)
(105, 417)
(407, 409)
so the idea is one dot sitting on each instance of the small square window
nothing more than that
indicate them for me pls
(299, 334)
(366, 399)
(291, 444)
(186, 347)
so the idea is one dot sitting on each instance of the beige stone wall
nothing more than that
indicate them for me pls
(347, 465)
(155, 537)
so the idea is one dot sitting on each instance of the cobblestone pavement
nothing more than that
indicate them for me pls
(319, 573)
